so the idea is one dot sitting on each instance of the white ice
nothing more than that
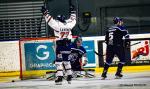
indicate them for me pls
(129, 81)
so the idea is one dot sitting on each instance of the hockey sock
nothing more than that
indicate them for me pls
(106, 66)
(119, 69)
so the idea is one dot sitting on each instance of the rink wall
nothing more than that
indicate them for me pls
(9, 56)
(10, 59)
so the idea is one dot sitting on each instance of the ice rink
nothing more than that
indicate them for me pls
(129, 81)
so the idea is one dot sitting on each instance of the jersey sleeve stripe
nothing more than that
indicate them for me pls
(49, 18)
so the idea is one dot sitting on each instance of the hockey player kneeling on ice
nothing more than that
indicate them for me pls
(117, 39)
(62, 30)
(77, 57)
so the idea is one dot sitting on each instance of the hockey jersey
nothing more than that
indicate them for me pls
(61, 30)
(76, 53)
(117, 35)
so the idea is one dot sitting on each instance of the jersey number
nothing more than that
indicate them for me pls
(110, 35)
(64, 34)
(111, 38)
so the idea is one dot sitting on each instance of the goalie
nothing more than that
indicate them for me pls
(77, 57)
(62, 30)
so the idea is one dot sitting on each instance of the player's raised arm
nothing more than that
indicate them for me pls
(46, 14)
(72, 19)
(48, 18)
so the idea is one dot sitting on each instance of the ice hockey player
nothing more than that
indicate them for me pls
(78, 56)
(117, 39)
(62, 30)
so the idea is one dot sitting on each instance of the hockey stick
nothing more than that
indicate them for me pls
(135, 43)
(99, 54)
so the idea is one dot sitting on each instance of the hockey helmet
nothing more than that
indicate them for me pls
(117, 19)
(61, 18)
(78, 39)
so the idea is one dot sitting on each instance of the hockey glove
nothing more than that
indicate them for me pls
(44, 10)
(72, 9)
(84, 61)
(84, 64)
(127, 43)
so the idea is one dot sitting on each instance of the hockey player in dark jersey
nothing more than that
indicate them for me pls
(78, 56)
(62, 29)
(117, 39)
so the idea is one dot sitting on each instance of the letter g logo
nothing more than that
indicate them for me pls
(45, 53)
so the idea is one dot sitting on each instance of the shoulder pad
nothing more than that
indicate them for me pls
(121, 28)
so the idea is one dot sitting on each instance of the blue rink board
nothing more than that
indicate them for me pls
(40, 56)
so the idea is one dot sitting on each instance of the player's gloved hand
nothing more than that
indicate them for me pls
(72, 9)
(84, 63)
(128, 45)
(44, 10)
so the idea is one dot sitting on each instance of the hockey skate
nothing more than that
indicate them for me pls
(69, 78)
(58, 80)
(106, 66)
(118, 76)
(103, 77)
(119, 71)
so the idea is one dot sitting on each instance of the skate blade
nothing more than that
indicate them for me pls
(58, 83)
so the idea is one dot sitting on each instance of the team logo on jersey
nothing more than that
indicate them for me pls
(72, 57)
(46, 53)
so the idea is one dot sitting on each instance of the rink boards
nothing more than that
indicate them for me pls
(10, 59)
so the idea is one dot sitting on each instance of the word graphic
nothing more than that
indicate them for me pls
(144, 51)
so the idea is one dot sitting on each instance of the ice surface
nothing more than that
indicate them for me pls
(129, 81)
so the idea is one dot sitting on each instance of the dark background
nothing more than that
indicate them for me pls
(22, 18)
